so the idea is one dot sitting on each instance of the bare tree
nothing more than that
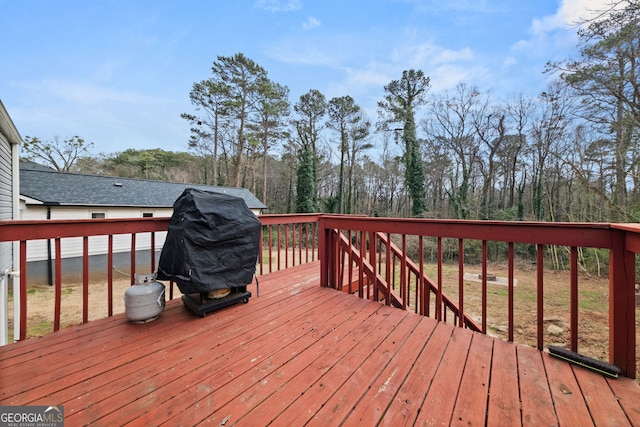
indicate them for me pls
(59, 154)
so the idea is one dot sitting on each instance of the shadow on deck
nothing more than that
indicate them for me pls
(301, 354)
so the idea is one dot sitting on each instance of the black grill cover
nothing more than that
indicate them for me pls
(212, 242)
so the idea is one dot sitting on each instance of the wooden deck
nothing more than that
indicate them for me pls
(297, 355)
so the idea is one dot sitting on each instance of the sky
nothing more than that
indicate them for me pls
(118, 72)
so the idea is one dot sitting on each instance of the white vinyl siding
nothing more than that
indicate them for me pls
(6, 199)
(72, 247)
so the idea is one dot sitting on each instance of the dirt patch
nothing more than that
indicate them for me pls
(41, 301)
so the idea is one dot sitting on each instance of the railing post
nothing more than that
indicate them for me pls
(323, 247)
(22, 295)
(622, 273)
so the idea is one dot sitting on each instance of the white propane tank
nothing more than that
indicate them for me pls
(144, 300)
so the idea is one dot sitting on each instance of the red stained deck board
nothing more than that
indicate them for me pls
(535, 396)
(504, 402)
(75, 338)
(226, 383)
(214, 353)
(330, 385)
(471, 405)
(347, 396)
(348, 385)
(374, 404)
(32, 348)
(75, 362)
(627, 393)
(194, 358)
(407, 402)
(294, 378)
(437, 408)
(302, 353)
(565, 392)
(142, 341)
(600, 399)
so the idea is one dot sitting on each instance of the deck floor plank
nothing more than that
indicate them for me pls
(299, 354)
(351, 391)
(308, 368)
(403, 346)
(600, 399)
(471, 410)
(535, 396)
(628, 395)
(408, 402)
(565, 393)
(504, 402)
(364, 370)
(437, 408)
(214, 353)
(231, 382)
(74, 370)
(192, 366)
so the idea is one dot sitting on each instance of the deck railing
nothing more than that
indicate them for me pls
(369, 256)
(287, 240)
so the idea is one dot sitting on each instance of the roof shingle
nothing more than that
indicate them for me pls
(72, 189)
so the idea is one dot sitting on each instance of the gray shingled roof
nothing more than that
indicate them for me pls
(71, 189)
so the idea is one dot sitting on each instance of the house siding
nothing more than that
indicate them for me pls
(6, 198)
(47, 194)
(72, 247)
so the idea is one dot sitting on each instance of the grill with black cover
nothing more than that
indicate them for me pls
(212, 243)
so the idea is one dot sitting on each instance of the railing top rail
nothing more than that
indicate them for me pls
(565, 233)
(551, 233)
(632, 235)
(52, 228)
(273, 219)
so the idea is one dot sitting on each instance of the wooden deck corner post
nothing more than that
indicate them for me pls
(323, 248)
(622, 273)
(22, 330)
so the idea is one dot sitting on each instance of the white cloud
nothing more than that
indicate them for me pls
(370, 76)
(311, 23)
(278, 5)
(555, 35)
(509, 62)
(85, 93)
(445, 67)
(428, 55)
(569, 14)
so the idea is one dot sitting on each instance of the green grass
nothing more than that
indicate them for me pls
(593, 301)
(40, 328)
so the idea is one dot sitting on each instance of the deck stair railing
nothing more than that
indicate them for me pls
(376, 282)
(369, 256)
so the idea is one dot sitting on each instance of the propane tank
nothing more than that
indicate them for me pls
(144, 300)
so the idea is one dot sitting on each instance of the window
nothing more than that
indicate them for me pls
(97, 215)
(147, 214)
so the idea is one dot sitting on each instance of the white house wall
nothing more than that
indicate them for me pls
(6, 198)
(72, 247)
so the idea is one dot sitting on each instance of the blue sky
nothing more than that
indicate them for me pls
(118, 73)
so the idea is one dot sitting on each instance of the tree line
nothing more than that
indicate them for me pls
(571, 153)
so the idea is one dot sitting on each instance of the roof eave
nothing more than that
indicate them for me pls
(7, 128)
